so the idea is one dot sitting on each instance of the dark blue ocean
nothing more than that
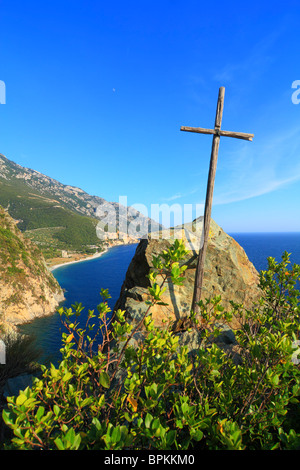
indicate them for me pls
(83, 281)
(259, 246)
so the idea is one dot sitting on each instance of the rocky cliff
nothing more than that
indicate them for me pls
(27, 287)
(228, 272)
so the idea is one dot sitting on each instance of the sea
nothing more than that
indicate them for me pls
(83, 281)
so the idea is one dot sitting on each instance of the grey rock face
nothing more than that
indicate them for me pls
(228, 272)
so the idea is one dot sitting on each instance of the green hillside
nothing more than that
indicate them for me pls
(66, 229)
(27, 287)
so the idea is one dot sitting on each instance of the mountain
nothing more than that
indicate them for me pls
(61, 216)
(27, 287)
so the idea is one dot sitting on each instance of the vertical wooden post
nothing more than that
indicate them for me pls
(217, 132)
(208, 202)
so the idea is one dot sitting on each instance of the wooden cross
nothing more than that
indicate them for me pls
(217, 133)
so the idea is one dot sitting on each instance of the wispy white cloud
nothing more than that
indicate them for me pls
(268, 187)
(180, 195)
(174, 197)
(260, 170)
(253, 171)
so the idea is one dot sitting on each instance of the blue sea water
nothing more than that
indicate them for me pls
(260, 246)
(83, 281)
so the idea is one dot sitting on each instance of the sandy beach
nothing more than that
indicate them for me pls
(76, 259)
(58, 262)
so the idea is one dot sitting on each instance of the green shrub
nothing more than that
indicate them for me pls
(155, 393)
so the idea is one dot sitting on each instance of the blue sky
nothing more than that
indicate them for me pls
(96, 93)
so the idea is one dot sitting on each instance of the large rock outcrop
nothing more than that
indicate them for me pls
(27, 288)
(228, 272)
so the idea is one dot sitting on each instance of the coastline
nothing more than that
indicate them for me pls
(87, 258)
(96, 255)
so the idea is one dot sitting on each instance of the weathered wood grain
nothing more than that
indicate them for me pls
(217, 133)
(221, 133)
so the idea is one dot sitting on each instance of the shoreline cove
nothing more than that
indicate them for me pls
(81, 282)
(96, 255)
(88, 258)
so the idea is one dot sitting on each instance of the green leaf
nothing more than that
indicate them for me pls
(185, 409)
(155, 424)
(275, 380)
(59, 444)
(67, 376)
(104, 379)
(127, 417)
(197, 435)
(40, 413)
(116, 434)
(175, 270)
(148, 420)
(76, 442)
(105, 294)
(101, 401)
(7, 416)
(21, 399)
(170, 438)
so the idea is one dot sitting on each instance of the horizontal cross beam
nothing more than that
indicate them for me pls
(201, 130)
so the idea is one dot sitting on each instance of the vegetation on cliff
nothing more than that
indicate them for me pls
(26, 285)
(140, 388)
(65, 229)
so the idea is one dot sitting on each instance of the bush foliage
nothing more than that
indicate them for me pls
(121, 393)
